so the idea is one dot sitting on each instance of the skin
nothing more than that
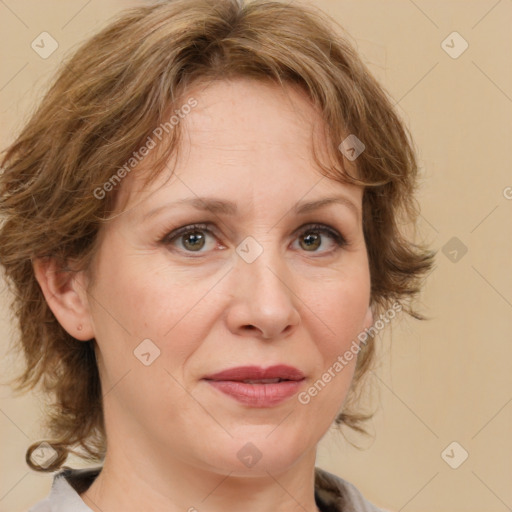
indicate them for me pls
(172, 438)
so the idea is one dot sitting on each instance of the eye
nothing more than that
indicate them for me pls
(312, 238)
(191, 238)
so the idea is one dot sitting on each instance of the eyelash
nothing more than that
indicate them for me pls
(339, 239)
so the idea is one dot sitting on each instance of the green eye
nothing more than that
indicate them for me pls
(193, 238)
(311, 238)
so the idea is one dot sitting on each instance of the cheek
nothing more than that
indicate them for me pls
(337, 314)
(341, 306)
(139, 299)
(142, 298)
(136, 303)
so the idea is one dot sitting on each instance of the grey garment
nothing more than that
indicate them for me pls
(332, 493)
(65, 492)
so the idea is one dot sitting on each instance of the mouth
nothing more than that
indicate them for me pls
(258, 374)
(263, 381)
(255, 386)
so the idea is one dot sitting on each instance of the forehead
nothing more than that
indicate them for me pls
(245, 138)
(268, 113)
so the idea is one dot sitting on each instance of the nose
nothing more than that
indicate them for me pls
(263, 303)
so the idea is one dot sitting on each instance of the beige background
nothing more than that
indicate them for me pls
(439, 381)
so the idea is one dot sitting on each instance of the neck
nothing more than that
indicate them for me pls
(129, 485)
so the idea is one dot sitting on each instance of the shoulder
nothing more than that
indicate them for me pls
(67, 486)
(337, 495)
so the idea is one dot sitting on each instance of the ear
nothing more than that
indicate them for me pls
(66, 295)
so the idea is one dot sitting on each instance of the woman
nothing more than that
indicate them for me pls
(201, 227)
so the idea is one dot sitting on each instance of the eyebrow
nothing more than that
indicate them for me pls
(221, 207)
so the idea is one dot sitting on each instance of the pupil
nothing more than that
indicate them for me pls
(194, 240)
(312, 240)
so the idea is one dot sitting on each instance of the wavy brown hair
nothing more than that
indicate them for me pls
(109, 96)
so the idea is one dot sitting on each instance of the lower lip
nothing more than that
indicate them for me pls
(258, 395)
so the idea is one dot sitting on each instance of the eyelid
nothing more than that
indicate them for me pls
(176, 233)
(324, 228)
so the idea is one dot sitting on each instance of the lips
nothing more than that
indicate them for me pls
(258, 387)
(257, 374)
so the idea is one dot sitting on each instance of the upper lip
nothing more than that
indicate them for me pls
(241, 373)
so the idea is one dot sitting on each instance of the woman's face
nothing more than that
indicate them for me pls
(272, 276)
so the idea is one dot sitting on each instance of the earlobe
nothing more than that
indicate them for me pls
(65, 293)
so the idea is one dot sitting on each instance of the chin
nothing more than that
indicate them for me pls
(259, 454)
